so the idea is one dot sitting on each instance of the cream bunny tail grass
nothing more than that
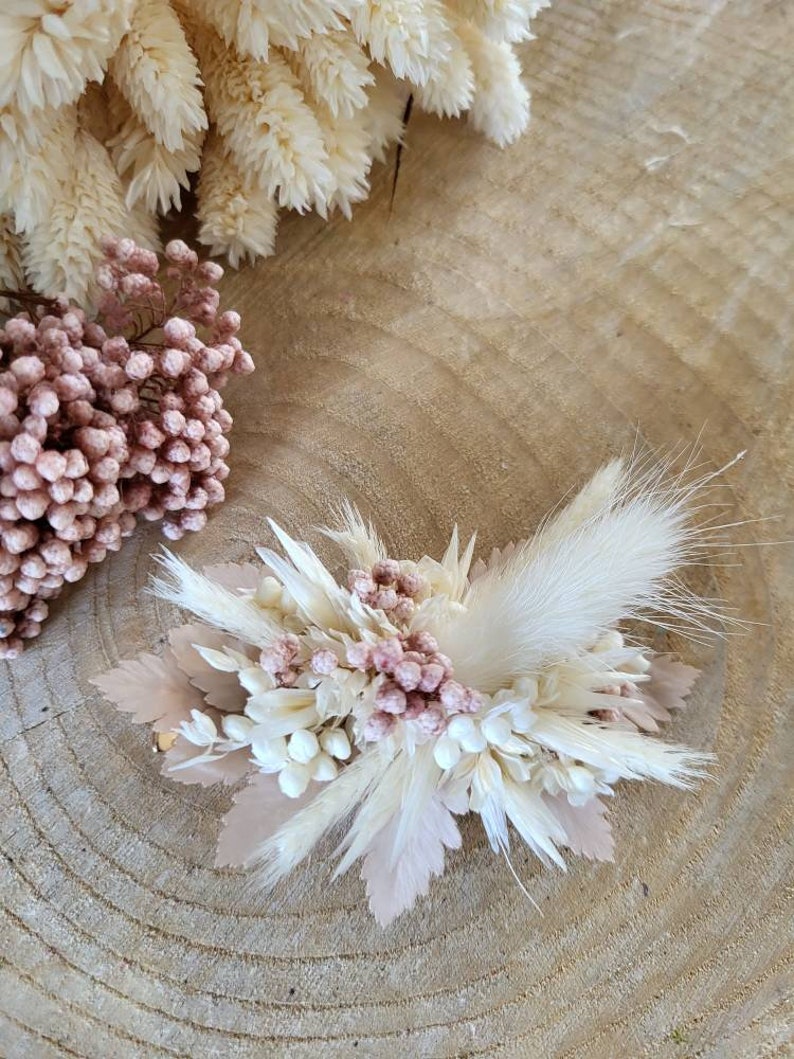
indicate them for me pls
(416, 691)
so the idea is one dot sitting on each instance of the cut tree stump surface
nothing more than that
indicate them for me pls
(518, 317)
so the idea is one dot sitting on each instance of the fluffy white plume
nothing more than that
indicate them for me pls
(158, 74)
(296, 839)
(12, 275)
(357, 539)
(506, 20)
(154, 176)
(236, 218)
(51, 51)
(212, 602)
(337, 72)
(555, 596)
(62, 249)
(500, 108)
(271, 133)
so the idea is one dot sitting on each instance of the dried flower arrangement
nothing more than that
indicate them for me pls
(108, 417)
(421, 690)
(106, 108)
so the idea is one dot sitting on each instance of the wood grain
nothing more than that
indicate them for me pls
(470, 356)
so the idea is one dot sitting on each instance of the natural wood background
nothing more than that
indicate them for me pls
(471, 357)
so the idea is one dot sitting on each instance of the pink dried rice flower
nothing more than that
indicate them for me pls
(99, 423)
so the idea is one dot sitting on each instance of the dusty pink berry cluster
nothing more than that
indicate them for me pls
(108, 417)
(387, 589)
(415, 683)
(281, 660)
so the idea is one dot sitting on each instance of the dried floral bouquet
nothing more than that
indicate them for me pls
(422, 690)
(108, 106)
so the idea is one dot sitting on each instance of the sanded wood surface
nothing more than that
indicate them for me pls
(471, 357)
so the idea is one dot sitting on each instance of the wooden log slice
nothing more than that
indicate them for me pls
(471, 356)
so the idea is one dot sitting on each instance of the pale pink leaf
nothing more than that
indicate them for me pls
(220, 689)
(260, 809)
(394, 890)
(587, 829)
(151, 689)
(236, 576)
(229, 768)
(671, 681)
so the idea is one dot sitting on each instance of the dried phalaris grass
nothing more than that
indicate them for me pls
(303, 96)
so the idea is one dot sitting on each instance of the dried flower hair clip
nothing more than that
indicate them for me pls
(419, 691)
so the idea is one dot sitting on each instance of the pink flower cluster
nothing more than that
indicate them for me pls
(418, 685)
(106, 418)
(386, 588)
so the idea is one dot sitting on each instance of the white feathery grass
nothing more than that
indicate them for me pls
(61, 251)
(153, 175)
(346, 141)
(306, 94)
(296, 839)
(12, 273)
(620, 752)
(212, 603)
(235, 218)
(337, 71)
(410, 36)
(384, 114)
(534, 821)
(51, 51)
(449, 90)
(358, 539)
(270, 131)
(552, 599)
(158, 75)
(315, 592)
(35, 157)
(253, 26)
(502, 20)
(500, 108)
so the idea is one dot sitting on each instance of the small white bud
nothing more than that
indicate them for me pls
(271, 753)
(472, 740)
(446, 752)
(303, 746)
(522, 717)
(527, 687)
(496, 729)
(610, 641)
(334, 741)
(294, 779)
(461, 727)
(639, 664)
(237, 728)
(323, 768)
(255, 680)
(268, 594)
(580, 779)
